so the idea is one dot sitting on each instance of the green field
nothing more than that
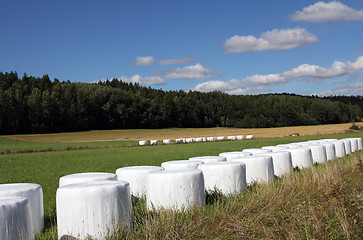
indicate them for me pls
(47, 167)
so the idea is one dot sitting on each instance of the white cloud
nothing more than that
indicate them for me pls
(177, 61)
(144, 61)
(196, 71)
(352, 89)
(270, 79)
(272, 40)
(316, 73)
(152, 80)
(327, 12)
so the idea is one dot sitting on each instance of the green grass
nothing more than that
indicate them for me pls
(46, 168)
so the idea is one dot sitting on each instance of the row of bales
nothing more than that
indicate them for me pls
(197, 139)
(95, 203)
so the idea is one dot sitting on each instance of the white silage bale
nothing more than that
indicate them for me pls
(231, 138)
(15, 219)
(318, 153)
(199, 139)
(143, 142)
(347, 146)
(178, 190)
(34, 193)
(240, 137)
(275, 148)
(256, 151)
(221, 138)
(227, 177)
(353, 144)
(85, 177)
(181, 164)
(93, 209)
(136, 176)
(282, 162)
(204, 139)
(235, 154)
(249, 137)
(301, 157)
(330, 150)
(154, 142)
(339, 148)
(359, 141)
(189, 140)
(258, 168)
(208, 159)
(166, 141)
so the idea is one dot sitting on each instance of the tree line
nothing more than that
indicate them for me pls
(39, 105)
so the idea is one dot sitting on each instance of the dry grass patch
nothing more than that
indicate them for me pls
(173, 133)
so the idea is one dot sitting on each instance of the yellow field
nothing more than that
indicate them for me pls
(172, 133)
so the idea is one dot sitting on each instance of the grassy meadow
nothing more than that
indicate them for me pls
(295, 203)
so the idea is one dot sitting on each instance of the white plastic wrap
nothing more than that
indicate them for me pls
(258, 168)
(143, 142)
(231, 138)
(208, 159)
(330, 150)
(282, 162)
(85, 177)
(221, 138)
(359, 142)
(175, 189)
(34, 193)
(189, 140)
(353, 144)
(15, 219)
(211, 139)
(136, 176)
(95, 209)
(347, 146)
(199, 139)
(166, 141)
(154, 142)
(275, 148)
(230, 155)
(240, 137)
(227, 177)
(301, 157)
(256, 151)
(181, 164)
(249, 137)
(339, 148)
(318, 153)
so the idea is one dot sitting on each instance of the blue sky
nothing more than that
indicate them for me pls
(238, 47)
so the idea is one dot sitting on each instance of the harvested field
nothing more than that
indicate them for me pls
(173, 133)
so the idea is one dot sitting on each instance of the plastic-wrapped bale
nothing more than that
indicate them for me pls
(221, 138)
(143, 142)
(199, 139)
(330, 150)
(240, 137)
(318, 153)
(282, 162)
(166, 141)
(204, 139)
(15, 219)
(301, 157)
(208, 159)
(249, 137)
(34, 193)
(211, 139)
(85, 177)
(180, 140)
(347, 146)
(136, 176)
(231, 138)
(339, 148)
(154, 142)
(359, 141)
(353, 144)
(93, 209)
(189, 140)
(256, 151)
(177, 190)
(181, 164)
(275, 148)
(236, 154)
(258, 168)
(227, 177)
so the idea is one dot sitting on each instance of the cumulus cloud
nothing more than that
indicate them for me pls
(327, 12)
(272, 40)
(316, 73)
(352, 89)
(144, 61)
(151, 80)
(177, 61)
(304, 72)
(196, 71)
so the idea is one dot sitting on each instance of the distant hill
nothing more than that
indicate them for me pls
(39, 105)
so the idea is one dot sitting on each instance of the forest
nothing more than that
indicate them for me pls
(38, 105)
